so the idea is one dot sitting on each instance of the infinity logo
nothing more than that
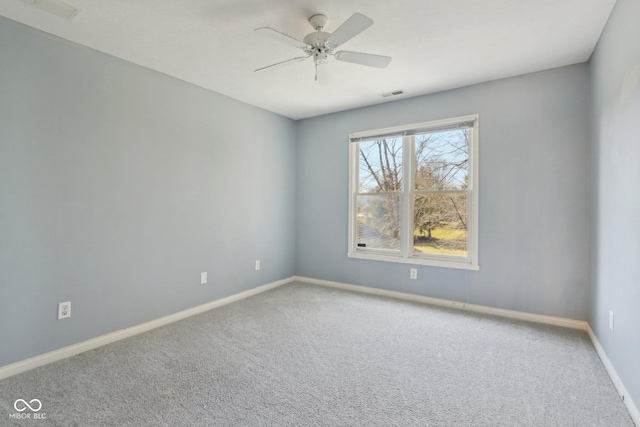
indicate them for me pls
(26, 405)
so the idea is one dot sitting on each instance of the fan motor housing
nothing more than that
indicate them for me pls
(316, 39)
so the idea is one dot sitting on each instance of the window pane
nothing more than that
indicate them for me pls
(381, 165)
(442, 160)
(440, 224)
(378, 222)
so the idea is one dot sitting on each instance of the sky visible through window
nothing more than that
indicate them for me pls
(441, 162)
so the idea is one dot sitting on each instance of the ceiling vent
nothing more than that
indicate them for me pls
(392, 93)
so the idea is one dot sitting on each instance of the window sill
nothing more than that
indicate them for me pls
(416, 261)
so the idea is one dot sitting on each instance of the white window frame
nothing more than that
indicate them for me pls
(406, 255)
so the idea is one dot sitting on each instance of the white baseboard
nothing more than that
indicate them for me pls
(512, 314)
(617, 382)
(62, 353)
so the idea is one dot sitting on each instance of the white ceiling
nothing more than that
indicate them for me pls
(435, 44)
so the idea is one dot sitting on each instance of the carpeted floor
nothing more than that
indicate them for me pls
(305, 355)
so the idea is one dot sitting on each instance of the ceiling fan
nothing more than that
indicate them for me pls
(320, 45)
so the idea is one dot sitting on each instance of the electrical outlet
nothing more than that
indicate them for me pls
(203, 277)
(257, 265)
(64, 310)
(611, 320)
(413, 273)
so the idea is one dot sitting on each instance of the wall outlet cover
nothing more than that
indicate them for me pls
(611, 320)
(64, 310)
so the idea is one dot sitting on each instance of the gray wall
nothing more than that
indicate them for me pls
(615, 161)
(534, 201)
(119, 185)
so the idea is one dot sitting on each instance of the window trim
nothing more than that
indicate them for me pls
(443, 260)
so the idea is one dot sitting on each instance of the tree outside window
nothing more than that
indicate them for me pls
(415, 187)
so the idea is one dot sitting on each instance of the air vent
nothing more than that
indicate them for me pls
(56, 7)
(392, 93)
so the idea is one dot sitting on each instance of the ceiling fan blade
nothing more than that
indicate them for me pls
(280, 64)
(349, 29)
(270, 32)
(323, 73)
(368, 59)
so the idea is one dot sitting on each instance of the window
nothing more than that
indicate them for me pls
(414, 194)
